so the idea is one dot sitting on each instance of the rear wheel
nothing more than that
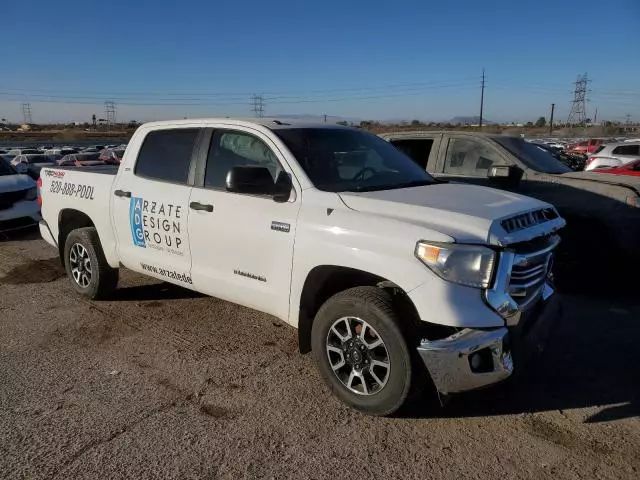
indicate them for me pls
(361, 352)
(86, 266)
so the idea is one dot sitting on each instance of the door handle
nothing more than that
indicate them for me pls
(201, 206)
(122, 193)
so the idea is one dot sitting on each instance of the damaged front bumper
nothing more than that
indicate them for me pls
(477, 357)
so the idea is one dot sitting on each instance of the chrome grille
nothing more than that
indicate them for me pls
(529, 219)
(528, 275)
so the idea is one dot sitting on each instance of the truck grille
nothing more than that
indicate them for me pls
(529, 219)
(530, 269)
(7, 199)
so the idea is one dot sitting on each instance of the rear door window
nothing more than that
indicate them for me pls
(166, 155)
(627, 150)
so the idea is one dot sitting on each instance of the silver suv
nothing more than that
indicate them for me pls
(613, 155)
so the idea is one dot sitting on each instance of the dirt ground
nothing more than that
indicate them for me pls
(161, 382)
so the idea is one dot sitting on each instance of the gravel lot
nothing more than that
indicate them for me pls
(164, 383)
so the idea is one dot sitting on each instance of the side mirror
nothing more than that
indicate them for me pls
(250, 179)
(505, 175)
(283, 187)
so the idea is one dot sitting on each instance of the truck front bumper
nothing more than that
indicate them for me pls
(475, 358)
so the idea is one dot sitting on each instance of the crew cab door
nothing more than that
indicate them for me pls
(242, 245)
(150, 204)
(464, 158)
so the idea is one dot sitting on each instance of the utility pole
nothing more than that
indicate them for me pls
(595, 117)
(481, 99)
(553, 107)
(325, 118)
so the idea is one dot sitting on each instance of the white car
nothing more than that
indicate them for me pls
(613, 155)
(391, 277)
(18, 199)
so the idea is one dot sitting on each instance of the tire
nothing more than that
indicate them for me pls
(86, 265)
(373, 306)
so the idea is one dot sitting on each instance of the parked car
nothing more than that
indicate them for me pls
(600, 209)
(111, 156)
(574, 162)
(18, 199)
(394, 276)
(613, 155)
(585, 147)
(31, 164)
(82, 159)
(629, 168)
(24, 151)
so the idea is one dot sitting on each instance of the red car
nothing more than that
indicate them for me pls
(583, 148)
(631, 168)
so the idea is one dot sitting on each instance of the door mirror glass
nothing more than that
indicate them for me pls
(283, 187)
(505, 175)
(255, 180)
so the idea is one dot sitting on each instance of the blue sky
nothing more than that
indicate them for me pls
(349, 58)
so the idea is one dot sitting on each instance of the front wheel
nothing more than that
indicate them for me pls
(361, 352)
(86, 266)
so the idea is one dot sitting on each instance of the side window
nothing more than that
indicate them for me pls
(166, 155)
(418, 150)
(230, 149)
(469, 157)
(627, 150)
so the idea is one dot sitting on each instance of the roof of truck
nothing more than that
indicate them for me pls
(272, 123)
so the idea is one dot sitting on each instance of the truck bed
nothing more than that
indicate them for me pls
(103, 169)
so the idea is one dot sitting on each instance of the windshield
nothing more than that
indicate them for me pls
(533, 156)
(6, 168)
(338, 160)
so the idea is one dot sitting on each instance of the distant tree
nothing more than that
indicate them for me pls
(541, 122)
(529, 124)
(344, 123)
(415, 122)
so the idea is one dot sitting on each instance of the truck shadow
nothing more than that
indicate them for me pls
(154, 291)
(590, 361)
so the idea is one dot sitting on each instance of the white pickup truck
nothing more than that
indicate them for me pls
(393, 279)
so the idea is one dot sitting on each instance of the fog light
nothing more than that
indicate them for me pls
(481, 361)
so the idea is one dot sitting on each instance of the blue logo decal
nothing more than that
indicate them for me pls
(135, 217)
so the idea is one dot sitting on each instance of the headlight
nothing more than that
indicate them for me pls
(32, 193)
(469, 265)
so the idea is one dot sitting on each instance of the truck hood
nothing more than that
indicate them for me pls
(625, 181)
(469, 214)
(12, 183)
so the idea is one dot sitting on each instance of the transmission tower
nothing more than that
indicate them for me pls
(578, 114)
(26, 113)
(257, 105)
(110, 113)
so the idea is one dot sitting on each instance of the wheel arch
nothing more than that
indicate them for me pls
(324, 281)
